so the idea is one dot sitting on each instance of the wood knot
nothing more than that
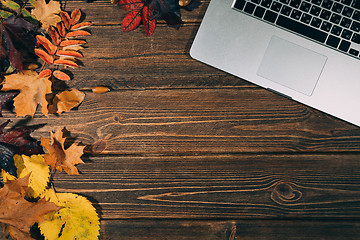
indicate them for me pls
(285, 193)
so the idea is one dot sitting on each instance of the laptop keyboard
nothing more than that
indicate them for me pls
(334, 23)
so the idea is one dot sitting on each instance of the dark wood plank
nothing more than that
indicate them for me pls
(191, 121)
(231, 230)
(220, 186)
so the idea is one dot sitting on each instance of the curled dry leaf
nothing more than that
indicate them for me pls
(18, 212)
(32, 89)
(66, 100)
(47, 14)
(60, 158)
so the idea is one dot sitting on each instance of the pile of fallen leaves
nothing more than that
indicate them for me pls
(38, 45)
(148, 12)
(28, 199)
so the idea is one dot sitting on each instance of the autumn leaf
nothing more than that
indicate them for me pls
(37, 168)
(148, 21)
(32, 89)
(66, 100)
(18, 212)
(60, 158)
(16, 39)
(47, 13)
(16, 140)
(77, 219)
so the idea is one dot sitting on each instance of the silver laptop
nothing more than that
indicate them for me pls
(307, 50)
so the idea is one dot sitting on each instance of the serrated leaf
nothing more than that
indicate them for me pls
(131, 21)
(47, 13)
(33, 91)
(76, 220)
(39, 173)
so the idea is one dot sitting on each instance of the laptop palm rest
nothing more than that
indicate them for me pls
(291, 65)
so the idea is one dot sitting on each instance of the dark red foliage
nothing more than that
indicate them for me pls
(16, 39)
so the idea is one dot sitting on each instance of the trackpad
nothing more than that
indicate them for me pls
(291, 65)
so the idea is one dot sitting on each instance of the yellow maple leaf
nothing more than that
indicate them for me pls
(33, 91)
(40, 173)
(60, 158)
(47, 14)
(77, 219)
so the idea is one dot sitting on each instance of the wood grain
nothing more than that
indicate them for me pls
(228, 230)
(244, 186)
(200, 121)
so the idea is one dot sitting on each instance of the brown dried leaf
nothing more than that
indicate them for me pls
(47, 14)
(60, 158)
(19, 213)
(33, 91)
(66, 100)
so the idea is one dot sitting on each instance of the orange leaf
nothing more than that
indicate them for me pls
(65, 62)
(50, 48)
(60, 158)
(71, 42)
(44, 56)
(77, 33)
(33, 91)
(75, 16)
(61, 28)
(66, 19)
(45, 73)
(61, 75)
(73, 54)
(54, 35)
(81, 25)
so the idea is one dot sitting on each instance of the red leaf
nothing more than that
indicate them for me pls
(148, 22)
(128, 5)
(131, 21)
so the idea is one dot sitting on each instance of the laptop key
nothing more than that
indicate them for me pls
(346, 34)
(356, 38)
(315, 10)
(305, 6)
(346, 2)
(325, 14)
(327, 4)
(326, 26)
(259, 12)
(239, 4)
(356, 4)
(286, 10)
(344, 45)
(249, 8)
(345, 22)
(347, 12)
(266, 3)
(306, 18)
(333, 41)
(301, 28)
(270, 16)
(355, 26)
(336, 30)
(356, 15)
(354, 52)
(337, 7)
(335, 18)
(296, 14)
(316, 22)
(276, 6)
(295, 3)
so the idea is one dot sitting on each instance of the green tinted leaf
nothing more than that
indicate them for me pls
(5, 14)
(10, 4)
(32, 2)
(27, 15)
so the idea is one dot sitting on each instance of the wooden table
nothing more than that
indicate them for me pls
(185, 151)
